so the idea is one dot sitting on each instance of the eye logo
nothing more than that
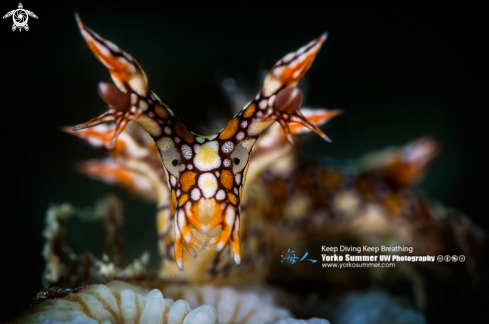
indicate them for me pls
(20, 17)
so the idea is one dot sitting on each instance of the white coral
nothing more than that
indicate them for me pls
(118, 302)
(253, 306)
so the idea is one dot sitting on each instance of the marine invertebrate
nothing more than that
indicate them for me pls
(144, 177)
(206, 174)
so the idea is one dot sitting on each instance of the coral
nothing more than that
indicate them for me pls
(118, 302)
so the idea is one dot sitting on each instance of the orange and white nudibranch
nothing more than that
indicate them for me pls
(205, 174)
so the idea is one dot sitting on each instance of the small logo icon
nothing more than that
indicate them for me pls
(447, 258)
(461, 258)
(292, 258)
(454, 258)
(20, 17)
(439, 258)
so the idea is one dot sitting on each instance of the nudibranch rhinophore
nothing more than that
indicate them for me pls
(205, 174)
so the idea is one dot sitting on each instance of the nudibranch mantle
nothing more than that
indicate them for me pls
(205, 174)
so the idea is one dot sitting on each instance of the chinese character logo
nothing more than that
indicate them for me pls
(20, 17)
(290, 256)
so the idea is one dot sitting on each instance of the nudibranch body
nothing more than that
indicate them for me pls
(205, 174)
(130, 166)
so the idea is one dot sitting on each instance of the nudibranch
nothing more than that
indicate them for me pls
(134, 164)
(205, 174)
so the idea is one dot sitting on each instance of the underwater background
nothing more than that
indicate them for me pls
(397, 72)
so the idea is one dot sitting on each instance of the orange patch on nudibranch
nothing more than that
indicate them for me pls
(249, 111)
(227, 179)
(182, 200)
(232, 198)
(183, 132)
(187, 180)
(230, 129)
(160, 111)
(173, 202)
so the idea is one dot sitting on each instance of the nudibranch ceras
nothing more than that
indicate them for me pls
(134, 161)
(205, 174)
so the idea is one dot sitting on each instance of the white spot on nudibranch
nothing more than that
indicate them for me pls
(173, 181)
(167, 130)
(186, 151)
(220, 195)
(227, 163)
(227, 147)
(208, 184)
(134, 98)
(244, 123)
(238, 179)
(207, 156)
(195, 194)
(240, 136)
(143, 105)
(263, 104)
